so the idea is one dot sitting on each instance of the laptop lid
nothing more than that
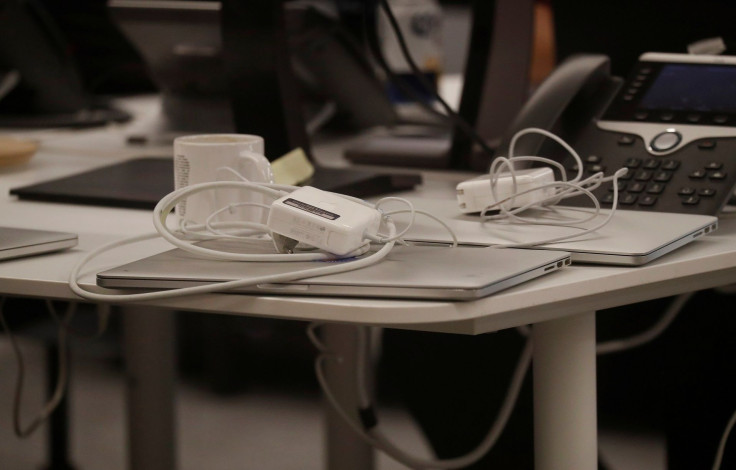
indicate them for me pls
(17, 242)
(631, 237)
(140, 183)
(416, 272)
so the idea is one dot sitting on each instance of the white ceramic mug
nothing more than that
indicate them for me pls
(215, 157)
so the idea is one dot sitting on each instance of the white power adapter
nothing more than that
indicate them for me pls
(474, 195)
(321, 219)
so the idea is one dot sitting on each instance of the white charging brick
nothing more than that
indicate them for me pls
(324, 220)
(474, 195)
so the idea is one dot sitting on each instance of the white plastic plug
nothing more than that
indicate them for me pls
(474, 195)
(323, 220)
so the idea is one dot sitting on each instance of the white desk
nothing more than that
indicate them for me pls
(561, 306)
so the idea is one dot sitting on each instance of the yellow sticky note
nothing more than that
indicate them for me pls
(292, 168)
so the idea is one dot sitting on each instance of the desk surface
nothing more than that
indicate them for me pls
(708, 262)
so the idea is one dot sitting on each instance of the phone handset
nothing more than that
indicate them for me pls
(565, 101)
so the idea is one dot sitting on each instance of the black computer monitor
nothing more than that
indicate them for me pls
(181, 45)
(220, 67)
(496, 78)
(42, 85)
(260, 67)
(252, 67)
(277, 56)
(265, 98)
(263, 88)
(495, 86)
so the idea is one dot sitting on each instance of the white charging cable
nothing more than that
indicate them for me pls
(651, 333)
(561, 190)
(184, 241)
(722, 444)
(372, 435)
(366, 426)
(21, 430)
(188, 234)
(169, 202)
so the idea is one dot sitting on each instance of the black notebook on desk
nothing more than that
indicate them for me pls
(140, 183)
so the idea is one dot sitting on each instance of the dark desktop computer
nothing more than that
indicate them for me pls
(495, 86)
(40, 83)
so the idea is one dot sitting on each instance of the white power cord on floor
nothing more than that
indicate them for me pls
(24, 431)
(724, 439)
(367, 427)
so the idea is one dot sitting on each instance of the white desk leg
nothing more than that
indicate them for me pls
(150, 359)
(565, 420)
(344, 450)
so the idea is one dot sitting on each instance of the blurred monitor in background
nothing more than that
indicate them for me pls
(495, 86)
(57, 59)
(181, 45)
(279, 69)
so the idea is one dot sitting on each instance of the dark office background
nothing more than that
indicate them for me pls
(218, 352)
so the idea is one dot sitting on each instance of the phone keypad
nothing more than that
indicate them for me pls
(649, 182)
(643, 185)
(695, 179)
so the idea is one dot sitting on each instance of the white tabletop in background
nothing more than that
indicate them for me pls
(707, 262)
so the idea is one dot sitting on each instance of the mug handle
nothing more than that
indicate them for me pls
(262, 166)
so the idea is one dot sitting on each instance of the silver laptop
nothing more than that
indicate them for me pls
(631, 238)
(17, 242)
(417, 272)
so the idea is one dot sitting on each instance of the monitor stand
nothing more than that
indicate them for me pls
(407, 146)
(184, 115)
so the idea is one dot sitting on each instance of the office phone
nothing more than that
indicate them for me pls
(671, 122)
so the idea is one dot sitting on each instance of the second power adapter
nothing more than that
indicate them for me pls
(475, 195)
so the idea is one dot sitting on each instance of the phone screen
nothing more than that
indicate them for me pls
(693, 87)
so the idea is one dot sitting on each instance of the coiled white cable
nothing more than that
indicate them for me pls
(184, 241)
(412, 211)
(562, 190)
(169, 202)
